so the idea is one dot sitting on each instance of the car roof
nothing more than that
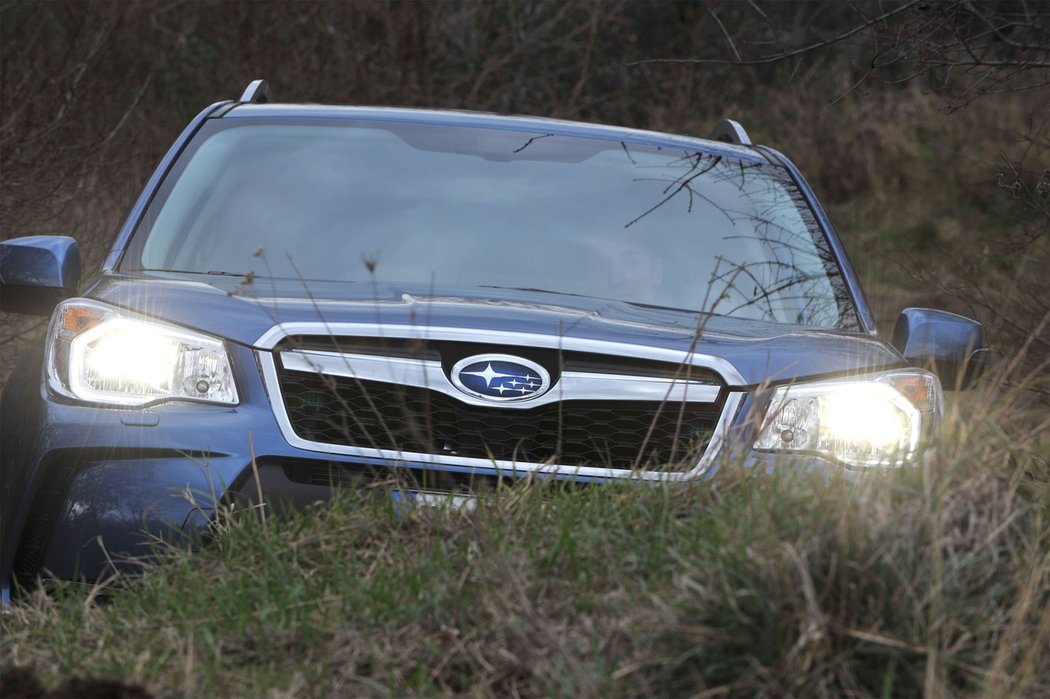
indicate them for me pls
(529, 124)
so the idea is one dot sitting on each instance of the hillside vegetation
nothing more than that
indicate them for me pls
(929, 582)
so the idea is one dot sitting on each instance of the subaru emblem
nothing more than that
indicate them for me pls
(500, 378)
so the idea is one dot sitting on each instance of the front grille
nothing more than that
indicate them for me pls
(611, 434)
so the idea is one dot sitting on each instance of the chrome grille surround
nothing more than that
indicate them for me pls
(424, 373)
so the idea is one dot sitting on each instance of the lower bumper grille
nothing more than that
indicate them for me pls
(610, 434)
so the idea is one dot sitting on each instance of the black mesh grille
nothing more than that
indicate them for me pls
(616, 434)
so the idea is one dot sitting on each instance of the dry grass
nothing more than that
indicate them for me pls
(931, 581)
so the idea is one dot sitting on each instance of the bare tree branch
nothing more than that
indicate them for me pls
(966, 48)
(776, 58)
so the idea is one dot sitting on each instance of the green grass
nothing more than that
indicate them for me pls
(933, 581)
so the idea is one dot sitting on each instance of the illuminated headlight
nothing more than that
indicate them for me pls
(877, 421)
(98, 354)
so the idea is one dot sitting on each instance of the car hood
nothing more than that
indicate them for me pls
(245, 313)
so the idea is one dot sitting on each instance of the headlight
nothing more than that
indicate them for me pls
(98, 354)
(874, 421)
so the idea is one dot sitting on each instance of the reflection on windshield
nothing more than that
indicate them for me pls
(415, 204)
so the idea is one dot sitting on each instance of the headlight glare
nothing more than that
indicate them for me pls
(97, 354)
(870, 422)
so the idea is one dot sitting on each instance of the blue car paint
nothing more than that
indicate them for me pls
(161, 471)
(770, 352)
(41, 260)
(31, 265)
(498, 122)
(956, 344)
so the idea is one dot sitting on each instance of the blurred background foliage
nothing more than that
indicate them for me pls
(923, 126)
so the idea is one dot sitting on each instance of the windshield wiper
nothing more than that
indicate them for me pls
(213, 272)
(539, 291)
(611, 301)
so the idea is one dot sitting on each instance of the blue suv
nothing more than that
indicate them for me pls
(308, 298)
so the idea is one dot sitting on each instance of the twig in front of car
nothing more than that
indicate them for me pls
(328, 380)
(694, 450)
(258, 483)
(102, 583)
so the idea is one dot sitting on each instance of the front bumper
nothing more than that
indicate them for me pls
(92, 489)
(100, 489)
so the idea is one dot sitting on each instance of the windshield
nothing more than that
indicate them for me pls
(421, 205)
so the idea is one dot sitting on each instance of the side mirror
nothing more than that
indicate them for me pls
(950, 345)
(37, 272)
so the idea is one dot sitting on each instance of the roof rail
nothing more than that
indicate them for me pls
(729, 131)
(257, 92)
